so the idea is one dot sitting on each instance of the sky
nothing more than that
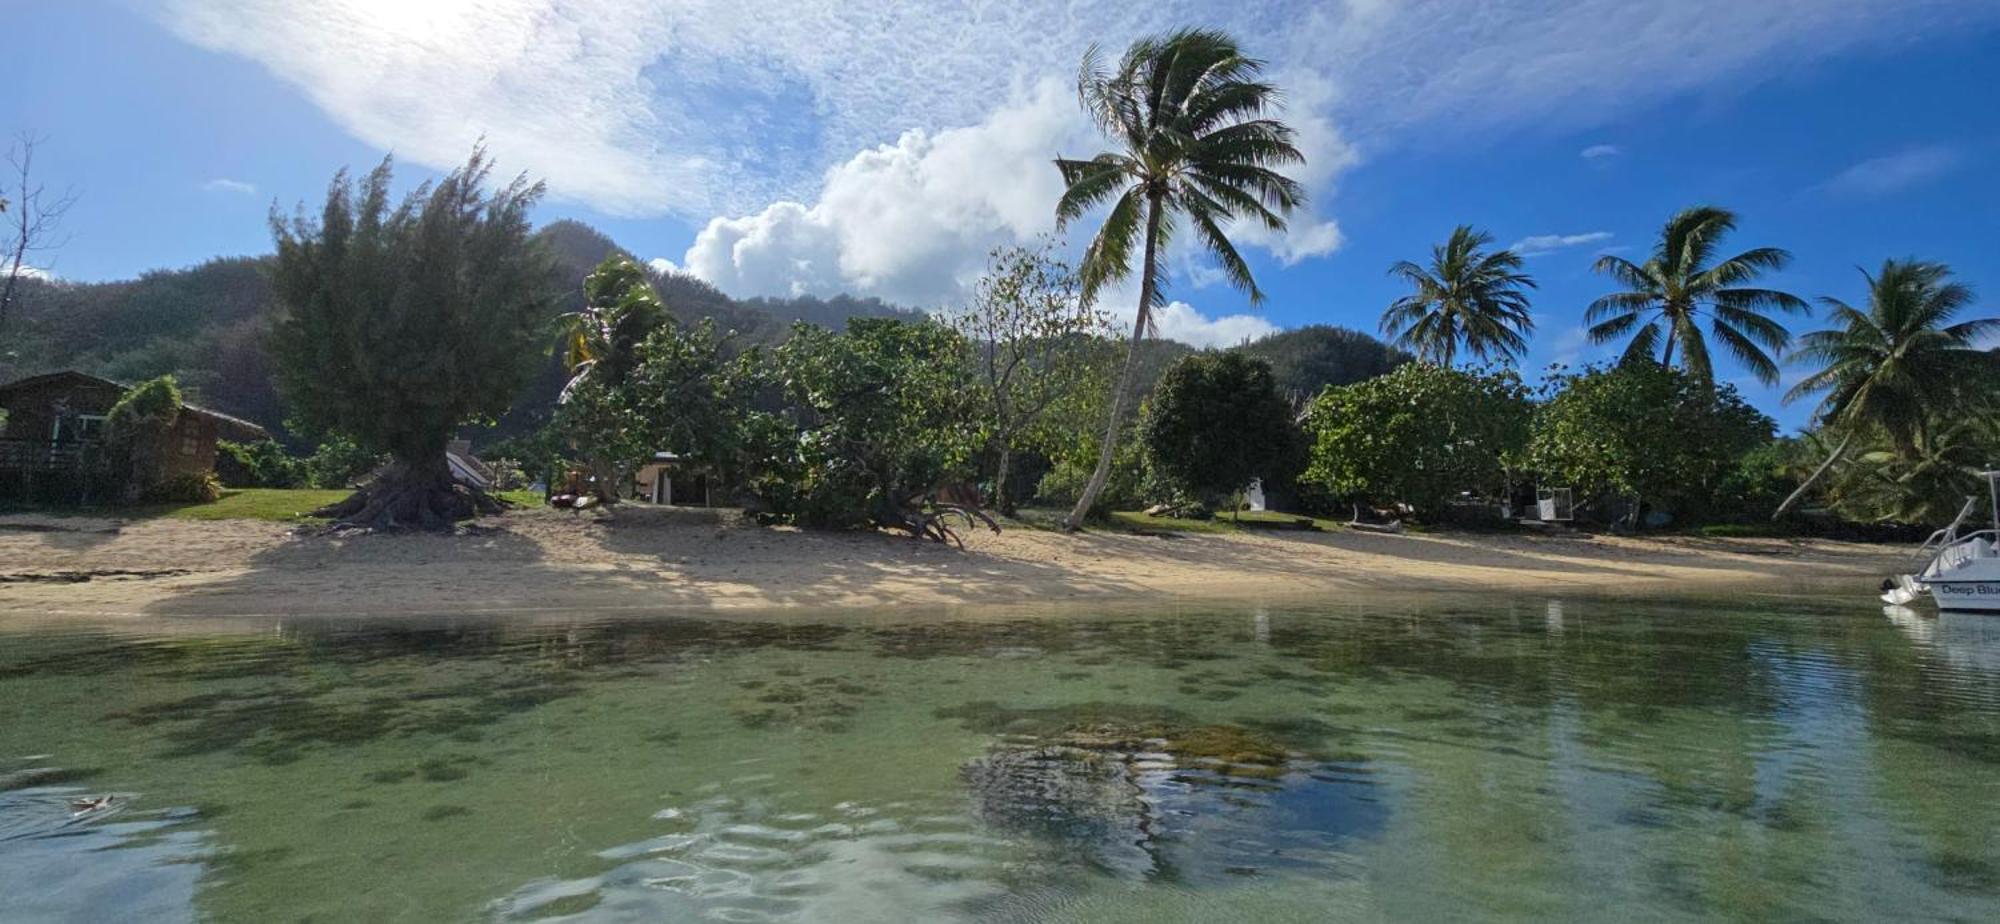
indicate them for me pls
(814, 146)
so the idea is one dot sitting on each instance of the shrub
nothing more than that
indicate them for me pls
(339, 463)
(262, 464)
(185, 488)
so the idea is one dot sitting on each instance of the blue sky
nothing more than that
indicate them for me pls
(819, 147)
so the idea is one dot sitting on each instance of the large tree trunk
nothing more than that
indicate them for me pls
(1831, 458)
(1116, 422)
(1003, 500)
(407, 495)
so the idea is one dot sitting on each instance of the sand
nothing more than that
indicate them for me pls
(542, 561)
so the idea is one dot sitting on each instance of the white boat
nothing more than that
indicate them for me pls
(1963, 569)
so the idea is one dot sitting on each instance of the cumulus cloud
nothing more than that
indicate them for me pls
(1544, 244)
(910, 221)
(1894, 173)
(230, 186)
(780, 125)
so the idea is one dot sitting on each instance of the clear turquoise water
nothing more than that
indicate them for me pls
(1506, 758)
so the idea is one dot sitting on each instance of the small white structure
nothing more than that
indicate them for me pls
(667, 480)
(1253, 496)
(1964, 568)
(1554, 505)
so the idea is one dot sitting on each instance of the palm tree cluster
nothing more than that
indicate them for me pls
(1196, 148)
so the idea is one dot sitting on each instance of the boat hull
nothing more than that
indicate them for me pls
(1981, 596)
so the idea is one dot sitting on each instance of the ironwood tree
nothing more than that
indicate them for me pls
(404, 320)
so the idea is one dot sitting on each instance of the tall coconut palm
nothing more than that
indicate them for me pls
(1195, 147)
(1468, 296)
(1669, 295)
(1897, 366)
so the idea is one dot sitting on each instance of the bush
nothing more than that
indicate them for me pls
(338, 463)
(186, 488)
(262, 464)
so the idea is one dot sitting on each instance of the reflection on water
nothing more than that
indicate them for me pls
(1508, 759)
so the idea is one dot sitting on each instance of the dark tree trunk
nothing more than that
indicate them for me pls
(406, 495)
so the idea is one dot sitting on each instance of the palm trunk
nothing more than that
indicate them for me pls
(1116, 422)
(1831, 458)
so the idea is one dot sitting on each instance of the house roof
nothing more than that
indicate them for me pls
(85, 377)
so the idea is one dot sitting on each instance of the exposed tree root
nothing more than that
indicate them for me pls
(406, 497)
(935, 522)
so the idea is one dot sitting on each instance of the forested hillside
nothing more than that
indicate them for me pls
(205, 325)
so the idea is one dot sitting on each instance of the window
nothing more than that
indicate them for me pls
(190, 445)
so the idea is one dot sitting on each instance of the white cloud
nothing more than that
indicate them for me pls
(230, 186)
(1180, 321)
(911, 221)
(1544, 244)
(1601, 152)
(1894, 173)
(747, 117)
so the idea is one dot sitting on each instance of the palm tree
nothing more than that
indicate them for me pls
(620, 309)
(1194, 147)
(1667, 297)
(1467, 295)
(1897, 366)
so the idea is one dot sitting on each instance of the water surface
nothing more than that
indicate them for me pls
(1507, 758)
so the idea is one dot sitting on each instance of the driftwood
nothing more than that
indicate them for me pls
(932, 515)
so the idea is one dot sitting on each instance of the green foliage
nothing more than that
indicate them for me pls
(1195, 148)
(404, 322)
(1667, 298)
(1903, 362)
(262, 464)
(1924, 483)
(1305, 360)
(690, 399)
(1645, 433)
(884, 414)
(144, 413)
(1422, 435)
(340, 462)
(1216, 421)
(1036, 344)
(1468, 297)
(184, 488)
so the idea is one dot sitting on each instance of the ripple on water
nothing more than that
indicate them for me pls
(747, 857)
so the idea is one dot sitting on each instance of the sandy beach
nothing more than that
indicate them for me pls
(540, 560)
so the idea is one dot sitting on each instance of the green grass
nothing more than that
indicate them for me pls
(282, 505)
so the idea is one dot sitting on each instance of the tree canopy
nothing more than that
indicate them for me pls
(404, 321)
(1216, 422)
(1421, 435)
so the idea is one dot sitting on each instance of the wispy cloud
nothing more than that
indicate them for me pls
(1598, 153)
(230, 186)
(784, 117)
(1894, 173)
(1544, 244)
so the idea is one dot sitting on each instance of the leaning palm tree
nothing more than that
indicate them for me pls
(1668, 296)
(1468, 296)
(1897, 366)
(1195, 145)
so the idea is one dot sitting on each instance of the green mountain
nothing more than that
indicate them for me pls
(205, 325)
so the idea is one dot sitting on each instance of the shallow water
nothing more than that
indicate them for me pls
(1508, 758)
